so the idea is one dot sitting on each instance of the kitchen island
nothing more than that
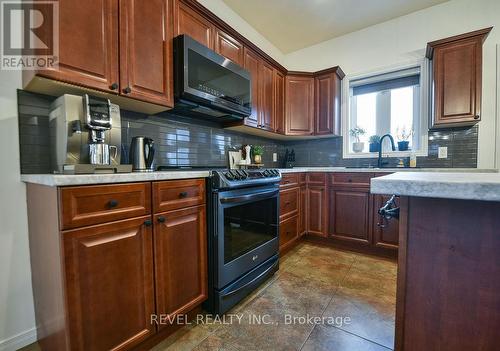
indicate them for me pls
(449, 259)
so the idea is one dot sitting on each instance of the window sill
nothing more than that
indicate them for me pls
(385, 154)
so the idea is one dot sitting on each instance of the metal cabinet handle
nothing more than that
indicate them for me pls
(127, 90)
(476, 117)
(148, 223)
(161, 219)
(183, 194)
(114, 86)
(113, 203)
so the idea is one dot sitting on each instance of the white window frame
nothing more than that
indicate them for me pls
(425, 74)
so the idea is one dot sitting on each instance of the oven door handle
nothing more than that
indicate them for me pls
(253, 280)
(249, 197)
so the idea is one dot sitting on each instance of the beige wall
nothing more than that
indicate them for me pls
(17, 321)
(219, 8)
(404, 39)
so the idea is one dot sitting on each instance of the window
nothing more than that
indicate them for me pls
(391, 102)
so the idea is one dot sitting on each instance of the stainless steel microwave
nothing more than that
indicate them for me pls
(207, 84)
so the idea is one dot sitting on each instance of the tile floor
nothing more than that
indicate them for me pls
(312, 281)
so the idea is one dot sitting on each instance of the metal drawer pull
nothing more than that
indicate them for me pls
(183, 195)
(161, 219)
(113, 203)
(148, 223)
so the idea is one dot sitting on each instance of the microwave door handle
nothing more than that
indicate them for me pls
(249, 197)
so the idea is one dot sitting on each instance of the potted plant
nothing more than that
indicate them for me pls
(403, 136)
(374, 143)
(356, 133)
(257, 153)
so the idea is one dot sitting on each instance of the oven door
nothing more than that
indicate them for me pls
(247, 230)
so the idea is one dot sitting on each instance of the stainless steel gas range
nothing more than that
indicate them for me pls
(243, 234)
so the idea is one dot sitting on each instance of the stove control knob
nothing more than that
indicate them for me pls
(243, 174)
(229, 175)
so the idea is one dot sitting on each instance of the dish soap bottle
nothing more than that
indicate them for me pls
(413, 160)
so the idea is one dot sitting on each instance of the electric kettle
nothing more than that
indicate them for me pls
(142, 152)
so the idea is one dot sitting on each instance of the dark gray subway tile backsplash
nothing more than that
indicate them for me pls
(181, 141)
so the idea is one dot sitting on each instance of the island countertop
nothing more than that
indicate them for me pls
(462, 185)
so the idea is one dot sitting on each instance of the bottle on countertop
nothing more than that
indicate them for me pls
(413, 160)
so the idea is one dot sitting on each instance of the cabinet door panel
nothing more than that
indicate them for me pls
(288, 231)
(266, 115)
(386, 236)
(303, 210)
(279, 101)
(299, 105)
(457, 80)
(109, 278)
(252, 64)
(187, 21)
(318, 209)
(327, 108)
(146, 34)
(349, 216)
(180, 260)
(88, 44)
(228, 47)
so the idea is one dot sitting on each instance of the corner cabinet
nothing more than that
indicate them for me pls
(457, 79)
(107, 259)
(299, 105)
(327, 94)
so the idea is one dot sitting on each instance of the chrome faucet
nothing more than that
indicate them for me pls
(380, 163)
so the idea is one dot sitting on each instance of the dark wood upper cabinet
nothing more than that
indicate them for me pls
(146, 34)
(279, 101)
(318, 210)
(349, 215)
(88, 44)
(299, 105)
(385, 233)
(109, 279)
(180, 253)
(457, 79)
(252, 64)
(266, 89)
(229, 47)
(188, 21)
(327, 105)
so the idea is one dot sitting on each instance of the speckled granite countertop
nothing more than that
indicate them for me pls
(84, 179)
(462, 185)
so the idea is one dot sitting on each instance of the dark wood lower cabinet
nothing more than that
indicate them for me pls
(349, 216)
(318, 210)
(385, 232)
(303, 210)
(180, 252)
(109, 284)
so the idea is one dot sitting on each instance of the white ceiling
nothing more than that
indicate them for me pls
(295, 24)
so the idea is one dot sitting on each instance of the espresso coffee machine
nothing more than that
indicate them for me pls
(85, 134)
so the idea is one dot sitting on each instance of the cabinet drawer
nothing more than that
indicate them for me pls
(289, 180)
(351, 179)
(176, 194)
(288, 230)
(316, 178)
(289, 202)
(95, 204)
